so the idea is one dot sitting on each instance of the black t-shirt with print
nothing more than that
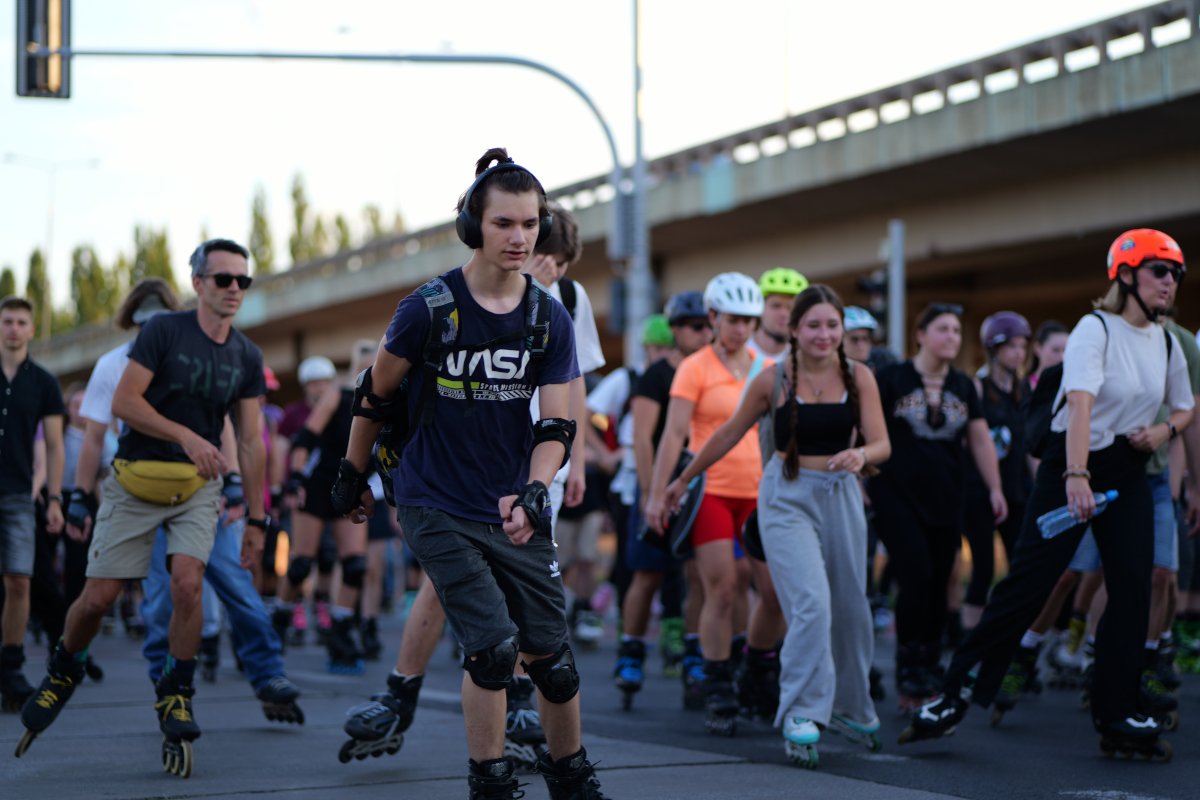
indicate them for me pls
(1002, 411)
(655, 384)
(196, 381)
(927, 468)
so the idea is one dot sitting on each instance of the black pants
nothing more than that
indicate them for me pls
(978, 526)
(46, 602)
(922, 556)
(1125, 535)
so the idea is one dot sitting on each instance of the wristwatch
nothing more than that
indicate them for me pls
(264, 523)
(1171, 429)
(57, 497)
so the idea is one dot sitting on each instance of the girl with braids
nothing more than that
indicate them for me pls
(829, 428)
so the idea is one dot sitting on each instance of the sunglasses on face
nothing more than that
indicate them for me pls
(1161, 271)
(223, 280)
(698, 325)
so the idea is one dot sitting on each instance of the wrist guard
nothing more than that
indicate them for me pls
(535, 498)
(381, 410)
(305, 439)
(80, 506)
(235, 494)
(295, 483)
(348, 488)
(555, 429)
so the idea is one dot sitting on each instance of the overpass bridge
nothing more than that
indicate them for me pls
(1013, 173)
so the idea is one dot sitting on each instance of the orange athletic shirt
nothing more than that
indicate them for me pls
(704, 380)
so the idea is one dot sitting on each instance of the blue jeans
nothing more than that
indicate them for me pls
(254, 640)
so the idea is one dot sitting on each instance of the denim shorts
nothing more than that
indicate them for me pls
(490, 588)
(17, 527)
(1166, 551)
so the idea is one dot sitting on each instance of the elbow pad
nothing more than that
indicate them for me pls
(381, 410)
(555, 429)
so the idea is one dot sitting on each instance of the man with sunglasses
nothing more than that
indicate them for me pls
(187, 371)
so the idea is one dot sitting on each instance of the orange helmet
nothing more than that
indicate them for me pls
(1133, 247)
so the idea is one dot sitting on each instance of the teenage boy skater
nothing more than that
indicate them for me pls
(186, 371)
(471, 484)
(31, 395)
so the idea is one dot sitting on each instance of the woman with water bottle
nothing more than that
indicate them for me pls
(1120, 366)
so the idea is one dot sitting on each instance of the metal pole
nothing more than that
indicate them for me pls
(47, 303)
(639, 284)
(897, 321)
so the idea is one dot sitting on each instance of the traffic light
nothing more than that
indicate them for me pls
(43, 23)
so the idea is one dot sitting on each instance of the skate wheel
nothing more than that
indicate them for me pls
(376, 753)
(168, 756)
(907, 735)
(875, 744)
(361, 756)
(1171, 721)
(997, 716)
(346, 752)
(185, 760)
(26, 739)
(392, 749)
(1166, 751)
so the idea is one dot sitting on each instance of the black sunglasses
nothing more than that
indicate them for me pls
(224, 279)
(1161, 271)
(947, 308)
(700, 325)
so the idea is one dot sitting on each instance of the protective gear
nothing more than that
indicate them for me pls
(234, 492)
(492, 668)
(1133, 247)
(354, 569)
(555, 677)
(858, 319)
(782, 280)
(80, 507)
(535, 498)
(316, 368)
(295, 482)
(685, 305)
(555, 429)
(1001, 327)
(657, 331)
(734, 293)
(305, 439)
(298, 570)
(381, 410)
(348, 488)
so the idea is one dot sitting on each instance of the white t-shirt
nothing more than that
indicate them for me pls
(98, 397)
(608, 398)
(1128, 374)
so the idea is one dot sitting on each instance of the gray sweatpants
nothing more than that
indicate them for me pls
(814, 534)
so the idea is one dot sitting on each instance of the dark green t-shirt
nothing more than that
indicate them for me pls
(1191, 354)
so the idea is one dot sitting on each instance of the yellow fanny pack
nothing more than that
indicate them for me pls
(164, 483)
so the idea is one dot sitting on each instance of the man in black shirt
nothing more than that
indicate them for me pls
(30, 395)
(186, 372)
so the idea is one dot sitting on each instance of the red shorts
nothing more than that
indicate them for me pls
(721, 518)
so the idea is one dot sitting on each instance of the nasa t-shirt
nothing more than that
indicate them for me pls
(464, 464)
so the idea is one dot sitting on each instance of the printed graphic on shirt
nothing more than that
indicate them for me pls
(914, 408)
(498, 366)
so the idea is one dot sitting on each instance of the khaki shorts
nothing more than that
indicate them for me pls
(578, 539)
(123, 537)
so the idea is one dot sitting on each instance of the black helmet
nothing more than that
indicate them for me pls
(685, 305)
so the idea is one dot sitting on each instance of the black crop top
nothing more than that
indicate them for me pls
(822, 429)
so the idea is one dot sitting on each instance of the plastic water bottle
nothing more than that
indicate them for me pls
(1052, 523)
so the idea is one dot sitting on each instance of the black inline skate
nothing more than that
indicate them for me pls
(937, 718)
(877, 691)
(692, 675)
(720, 701)
(1020, 678)
(492, 780)
(14, 689)
(175, 720)
(372, 647)
(1155, 700)
(281, 620)
(1164, 666)
(63, 673)
(524, 738)
(758, 684)
(630, 670)
(377, 727)
(278, 698)
(209, 657)
(1134, 735)
(570, 778)
(914, 683)
(345, 656)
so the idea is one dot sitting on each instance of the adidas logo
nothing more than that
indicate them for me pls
(554, 573)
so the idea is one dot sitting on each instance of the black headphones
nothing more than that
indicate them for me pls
(468, 226)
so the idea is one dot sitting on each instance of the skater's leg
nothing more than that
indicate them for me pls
(351, 541)
(187, 620)
(561, 722)
(372, 591)
(1058, 596)
(422, 631)
(15, 617)
(767, 624)
(715, 563)
(18, 546)
(635, 614)
(210, 609)
(483, 713)
(305, 538)
(86, 614)
(45, 598)
(157, 608)
(979, 528)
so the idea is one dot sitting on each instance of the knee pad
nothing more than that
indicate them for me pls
(555, 677)
(298, 570)
(492, 668)
(354, 568)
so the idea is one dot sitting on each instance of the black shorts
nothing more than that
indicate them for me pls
(379, 528)
(490, 588)
(318, 496)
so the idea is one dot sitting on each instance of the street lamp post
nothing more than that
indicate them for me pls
(51, 168)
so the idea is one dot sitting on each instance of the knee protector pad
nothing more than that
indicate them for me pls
(492, 668)
(555, 677)
(354, 569)
(298, 570)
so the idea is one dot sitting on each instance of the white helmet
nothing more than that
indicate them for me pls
(734, 293)
(316, 368)
(859, 319)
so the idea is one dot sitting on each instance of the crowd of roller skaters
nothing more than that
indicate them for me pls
(781, 488)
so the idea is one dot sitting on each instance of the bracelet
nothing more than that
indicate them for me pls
(1171, 428)
(1077, 473)
(862, 451)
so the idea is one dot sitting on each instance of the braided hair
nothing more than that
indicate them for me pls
(814, 295)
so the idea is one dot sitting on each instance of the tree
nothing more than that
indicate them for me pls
(8, 283)
(374, 219)
(152, 257)
(262, 247)
(93, 288)
(300, 243)
(343, 233)
(397, 224)
(319, 244)
(35, 286)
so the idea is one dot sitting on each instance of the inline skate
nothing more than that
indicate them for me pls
(588, 628)
(670, 644)
(14, 689)
(209, 658)
(524, 738)
(1155, 699)
(494, 779)
(377, 727)
(570, 778)
(629, 672)
(1164, 665)
(1021, 677)
(63, 673)
(914, 683)
(372, 647)
(175, 720)
(322, 617)
(864, 733)
(278, 698)
(345, 656)
(758, 684)
(877, 691)
(720, 702)
(692, 675)
(1134, 735)
(937, 718)
(281, 618)
(800, 737)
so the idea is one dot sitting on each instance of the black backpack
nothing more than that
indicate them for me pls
(442, 342)
(566, 288)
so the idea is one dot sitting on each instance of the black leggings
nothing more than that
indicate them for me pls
(1125, 535)
(978, 525)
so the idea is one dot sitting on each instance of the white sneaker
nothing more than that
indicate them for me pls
(588, 627)
(799, 730)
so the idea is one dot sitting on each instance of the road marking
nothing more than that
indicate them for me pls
(1101, 794)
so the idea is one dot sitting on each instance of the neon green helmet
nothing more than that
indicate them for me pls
(657, 331)
(782, 280)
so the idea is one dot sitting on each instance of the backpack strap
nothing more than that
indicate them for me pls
(443, 334)
(566, 287)
(1103, 324)
(537, 326)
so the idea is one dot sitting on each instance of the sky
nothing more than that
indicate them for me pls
(184, 143)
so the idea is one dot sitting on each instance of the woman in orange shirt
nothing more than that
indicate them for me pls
(706, 391)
